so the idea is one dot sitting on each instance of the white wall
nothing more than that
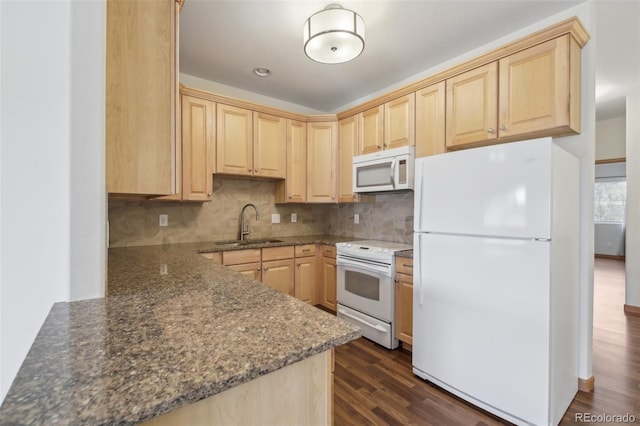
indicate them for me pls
(48, 137)
(632, 248)
(611, 138)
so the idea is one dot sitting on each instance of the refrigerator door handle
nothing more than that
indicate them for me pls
(419, 185)
(419, 270)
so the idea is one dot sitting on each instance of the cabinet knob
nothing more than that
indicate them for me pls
(209, 194)
(396, 280)
(290, 197)
(249, 170)
(298, 265)
(258, 269)
(502, 127)
(255, 170)
(490, 130)
(265, 268)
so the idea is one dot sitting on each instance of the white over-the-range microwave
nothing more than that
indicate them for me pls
(384, 171)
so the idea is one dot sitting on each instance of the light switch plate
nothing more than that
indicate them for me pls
(356, 218)
(164, 220)
(294, 218)
(275, 218)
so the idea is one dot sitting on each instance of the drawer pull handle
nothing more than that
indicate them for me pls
(360, 320)
(305, 250)
(407, 266)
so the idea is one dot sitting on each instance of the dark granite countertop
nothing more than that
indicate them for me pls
(175, 329)
(405, 253)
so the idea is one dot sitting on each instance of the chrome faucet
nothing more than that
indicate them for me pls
(245, 230)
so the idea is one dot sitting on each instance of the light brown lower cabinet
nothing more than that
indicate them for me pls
(404, 301)
(305, 273)
(328, 275)
(279, 274)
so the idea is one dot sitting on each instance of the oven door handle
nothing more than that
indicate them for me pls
(364, 266)
(360, 320)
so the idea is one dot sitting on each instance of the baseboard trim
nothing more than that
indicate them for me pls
(609, 256)
(586, 385)
(632, 310)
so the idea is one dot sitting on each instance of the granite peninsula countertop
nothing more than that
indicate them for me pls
(175, 329)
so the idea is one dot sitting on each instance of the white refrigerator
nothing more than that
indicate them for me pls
(495, 306)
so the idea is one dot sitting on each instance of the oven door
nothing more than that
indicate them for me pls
(366, 287)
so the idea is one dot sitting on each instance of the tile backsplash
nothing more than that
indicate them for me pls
(136, 223)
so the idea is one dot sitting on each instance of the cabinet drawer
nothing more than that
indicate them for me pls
(404, 265)
(236, 257)
(328, 251)
(216, 257)
(306, 250)
(275, 253)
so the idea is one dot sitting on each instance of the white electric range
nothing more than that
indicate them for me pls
(365, 287)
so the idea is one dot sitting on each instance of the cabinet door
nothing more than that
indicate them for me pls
(234, 141)
(430, 123)
(305, 279)
(472, 107)
(269, 145)
(535, 88)
(251, 270)
(279, 274)
(198, 158)
(141, 97)
(347, 148)
(371, 130)
(329, 282)
(322, 147)
(399, 122)
(296, 180)
(404, 308)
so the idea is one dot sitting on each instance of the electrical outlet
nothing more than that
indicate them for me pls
(275, 218)
(164, 220)
(294, 218)
(356, 218)
(164, 269)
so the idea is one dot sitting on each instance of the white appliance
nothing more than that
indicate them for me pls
(383, 171)
(365, 289)
(495, 315)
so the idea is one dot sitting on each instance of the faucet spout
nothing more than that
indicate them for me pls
(244, 230)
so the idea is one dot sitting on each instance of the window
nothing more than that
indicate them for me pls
(610, 200)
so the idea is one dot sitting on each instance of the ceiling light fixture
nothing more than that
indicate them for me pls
(262, 71)
(334, 35)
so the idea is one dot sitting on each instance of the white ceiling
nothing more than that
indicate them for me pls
(223, 41)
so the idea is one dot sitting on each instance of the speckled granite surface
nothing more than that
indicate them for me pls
(405, 253)
(159, 342)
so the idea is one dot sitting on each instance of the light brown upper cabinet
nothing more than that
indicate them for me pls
(269, 145)
(399, 122)
(472, 106)
(371, 130)
(535, 92)
(322, 152)
(141, 97)
(347, 148)
(430, 123)
(250, 143)
(198, 148)
(234, 140)
(294, 188)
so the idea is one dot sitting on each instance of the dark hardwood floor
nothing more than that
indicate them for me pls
(375, 386)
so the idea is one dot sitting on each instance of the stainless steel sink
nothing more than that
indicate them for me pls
(237, 243)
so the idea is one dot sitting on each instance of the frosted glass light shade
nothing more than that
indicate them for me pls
(334, 35)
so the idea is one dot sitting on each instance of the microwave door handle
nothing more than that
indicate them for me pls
(393, 172)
